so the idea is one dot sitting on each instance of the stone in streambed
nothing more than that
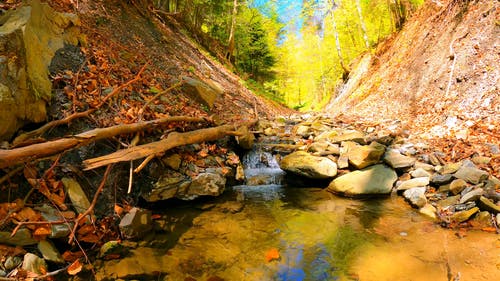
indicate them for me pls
(76, 194)
(136, 223)
(462, 216)
(488, 205)
(429, 211)
(364, 156)
(472, 196)
(416, 182)
(439, 179)
(471, 174)
(303, 164)
(457, 186)
(374, 180)
(21, 238)
(420, 173)
(397, 160)
(416, 196)
(35, 264)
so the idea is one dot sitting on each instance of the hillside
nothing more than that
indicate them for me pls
(438, 78)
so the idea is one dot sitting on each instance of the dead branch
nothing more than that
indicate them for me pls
(92, 205)
(38, 132)
(173, 140)
(15, 156)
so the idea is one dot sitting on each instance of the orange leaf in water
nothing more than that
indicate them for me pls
(75, 267)
(272, 254)
(489, 229)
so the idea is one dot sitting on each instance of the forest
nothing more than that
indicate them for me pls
(294, 52)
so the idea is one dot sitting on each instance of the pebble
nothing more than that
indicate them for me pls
(416, 182)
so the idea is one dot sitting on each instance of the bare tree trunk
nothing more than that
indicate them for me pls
(345, 73)
(230, 43)
(363, 26)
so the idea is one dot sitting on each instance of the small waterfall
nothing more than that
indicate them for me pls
(261, 168)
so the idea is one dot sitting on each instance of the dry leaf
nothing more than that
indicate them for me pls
(75, 267)
(272, 254)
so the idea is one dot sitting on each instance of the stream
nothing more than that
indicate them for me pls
(264, 230)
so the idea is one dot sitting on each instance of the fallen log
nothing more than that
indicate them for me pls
(11, 157)
(174, 139)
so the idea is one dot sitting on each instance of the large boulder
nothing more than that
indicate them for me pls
(29, 39)
(303, 164)
(374, 180)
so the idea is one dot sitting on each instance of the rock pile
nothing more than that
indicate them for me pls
(369, 163)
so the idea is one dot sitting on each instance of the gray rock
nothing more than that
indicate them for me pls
(419, 173)
(457, 186)
(471, 196)
(397, 160)
(429, 210)
(343, 162)
(367, 155)
(12, 262)
(303, 164)
(439, 179)
(377, 179)
(462, 216)
(303, 131)
(471, 174)
(168, 186)
(201, 91)
(481, 160)
(354, 136)
(76, 194)
(49, 251)
(488, 205)
(209, 183)
(35, 264)
(416, 196)
(416, 182)
(450, 168)
(136, 223)
(21, 238)
(51, 214)
(425, 166)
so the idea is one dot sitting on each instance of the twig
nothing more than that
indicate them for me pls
(144, 163)
(52, 273)
(453, 56)
(22, 223)
(92, 205)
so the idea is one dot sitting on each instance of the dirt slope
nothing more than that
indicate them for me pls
(438, 77)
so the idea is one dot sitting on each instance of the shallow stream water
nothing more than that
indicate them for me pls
(317, 235)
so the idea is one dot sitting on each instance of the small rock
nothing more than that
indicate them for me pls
(434, 160)
(49, 213)
(457, 186)
(354, 136)
(444, 188)
(76, 194)
(303, 131)
(136, 223)
(209, 183)
(303, 164)
(343, 162)
(419, 173)
(425, 166)
(416, 182)
(471, 174)
(416, 196)
(471, 196)
(112, 247)
(488, 205)
(3, 273)
(481, 160)
(35, 264)
(397, 160)
(21, 238)
(462, 216)
(438, 179)
(450, 168)
(483, 219)
(429, 211)
(452, 200)
(367, 155)
(12, 262)
(173, 161)
(49, 251)
(377, 179)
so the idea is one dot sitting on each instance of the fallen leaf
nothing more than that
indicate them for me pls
(75, 267)
(272, 254)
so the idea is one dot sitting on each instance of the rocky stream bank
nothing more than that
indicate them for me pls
(312, 151)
